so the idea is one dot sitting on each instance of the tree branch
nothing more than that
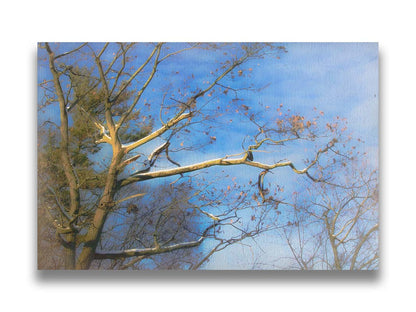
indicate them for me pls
(136, 73)
(179, 51)
(123, 65)
(64, 131)
(157, 133)
(151, 251)
(181, 115)
(72, 51)
(358, 248)
(140, 92)
(214, 162)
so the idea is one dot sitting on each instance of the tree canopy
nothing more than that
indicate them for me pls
(160, 155)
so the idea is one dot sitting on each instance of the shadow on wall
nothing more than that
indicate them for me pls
(214, 277)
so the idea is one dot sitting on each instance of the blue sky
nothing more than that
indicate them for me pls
(340, 79)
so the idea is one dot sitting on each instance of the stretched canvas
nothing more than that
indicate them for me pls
(208, 156)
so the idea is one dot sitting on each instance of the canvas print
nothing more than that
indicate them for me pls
(207, 156)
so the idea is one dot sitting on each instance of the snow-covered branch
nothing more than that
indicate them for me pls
(152, 251)
(216, 162)
(128, 147)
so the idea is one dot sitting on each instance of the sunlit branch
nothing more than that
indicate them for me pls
(157, 133)
(146, 251)
(130, 197)
(217, 162)
(129, 161)
(152, 251)
(105, 138)
(209, 215)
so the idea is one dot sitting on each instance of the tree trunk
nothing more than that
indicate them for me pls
(104, 207)
(69, 251)
(69, 171)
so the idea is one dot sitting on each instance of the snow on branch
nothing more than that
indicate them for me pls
(128, 147)
(151, 251)
(222, 162)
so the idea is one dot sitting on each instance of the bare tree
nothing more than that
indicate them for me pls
(336, 228)
(105, 150)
